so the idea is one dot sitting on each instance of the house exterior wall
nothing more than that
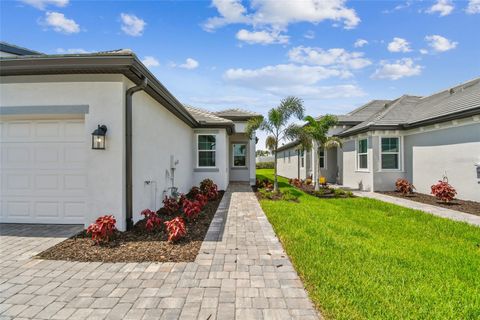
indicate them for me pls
(239, 173)
(158, 135)
(453, 151)
(352, 176)
(384, 180)
(287, 166)
(104, 96)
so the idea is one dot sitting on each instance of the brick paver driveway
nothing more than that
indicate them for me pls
(241, 272)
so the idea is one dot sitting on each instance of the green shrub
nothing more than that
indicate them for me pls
(339, 192)
(289, 196)
(265, 165)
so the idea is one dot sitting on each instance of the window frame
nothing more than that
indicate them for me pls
(324, 158)
(233, 154)
(358, 154)
(399, 153)
(198, 150)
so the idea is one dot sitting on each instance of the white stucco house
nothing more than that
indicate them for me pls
(417, 138)
(54, 171)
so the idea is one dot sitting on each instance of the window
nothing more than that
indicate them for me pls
(239, 155)
(321, 157)
(284, 156)
(288, 156)
(390, 153)
(206, 150)
(362, 151)
(302, 159)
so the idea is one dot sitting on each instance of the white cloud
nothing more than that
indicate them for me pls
(150, 61)
(399, 45)
(132, 25)
(309, 35)
(336, 57)
(190, 64)
(423, 51)
(473, 7)
(439, 43)
(360, 43)
(279, 14)
(399, 69)
(42, 4)
(443, 7)
(72, 51)
(261, 37)
(60, 23)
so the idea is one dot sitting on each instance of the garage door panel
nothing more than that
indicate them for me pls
(43, 171)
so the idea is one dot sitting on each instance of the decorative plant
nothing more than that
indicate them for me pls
(171, 205)
(193, 192)
(176, 229)
(404, 186)
(103, 229)
(443, 191)
(192, 208)
(206, 184)
(265, 183)
(295, 182)
(202, 199)
(153, 220)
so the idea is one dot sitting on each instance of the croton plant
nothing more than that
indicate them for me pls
(176, 229)
(153, 220)
(103, 229)
(443, 191)
(404, 186)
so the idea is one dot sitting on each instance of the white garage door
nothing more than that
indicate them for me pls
(43, 171)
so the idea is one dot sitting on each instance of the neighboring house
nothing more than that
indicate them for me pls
(50, 172)
(417, 138)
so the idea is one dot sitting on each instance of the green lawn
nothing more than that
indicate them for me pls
(366, 259)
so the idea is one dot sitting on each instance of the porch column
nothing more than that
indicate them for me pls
(251, 157)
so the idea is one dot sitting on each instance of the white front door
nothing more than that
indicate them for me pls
(43, 171)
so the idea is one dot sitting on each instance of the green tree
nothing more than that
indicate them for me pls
(276, 126)
(313, 136)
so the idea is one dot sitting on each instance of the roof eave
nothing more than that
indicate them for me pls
(448, 117)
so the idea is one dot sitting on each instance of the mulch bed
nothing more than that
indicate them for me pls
(138, 245)
(471, 207)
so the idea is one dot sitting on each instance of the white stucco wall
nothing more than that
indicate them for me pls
(104, 96)
(352, 177)
(451, 150)
(285, 167)
(157, 136)
(384, 180)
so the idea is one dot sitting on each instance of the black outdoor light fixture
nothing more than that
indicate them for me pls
(98, 137)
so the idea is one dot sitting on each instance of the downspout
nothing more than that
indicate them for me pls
(128, 151)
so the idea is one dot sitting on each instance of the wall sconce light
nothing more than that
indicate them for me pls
(98, 137)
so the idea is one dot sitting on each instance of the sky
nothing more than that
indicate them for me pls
(336, 55)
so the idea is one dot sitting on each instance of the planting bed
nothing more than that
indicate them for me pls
(139, 245)
(471, 207)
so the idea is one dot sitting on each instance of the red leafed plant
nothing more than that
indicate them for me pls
(202, 199)
(193, 192)
(192, 208)
(176, 229)
(153, 220)
(206, 184)
(295, 182)
(443, 191)
(212, 193)
(170, 205)
(103, 229)
(404, 186)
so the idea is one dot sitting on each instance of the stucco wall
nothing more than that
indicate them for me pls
(454, 151)
(352, 177)
(104, 96)
(285, 167)
(157, 136)
(384, 180)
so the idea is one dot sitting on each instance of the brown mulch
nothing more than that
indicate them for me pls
(466, 206)
(138, 245)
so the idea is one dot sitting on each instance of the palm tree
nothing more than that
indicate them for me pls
(276, 125)
(314, 135)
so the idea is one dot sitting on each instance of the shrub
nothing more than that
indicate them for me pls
(153, 220)
(202, 199)
(289, 196)
(404, 186)
(171, 205)
(308, 181)
(265, 165)
(265, 183)
(191, 208)
(103, 229)
(443, 191)
(193, 192)
(206, 185)
(339, 192)
(350, 194)
(295, 182)
(176, 229)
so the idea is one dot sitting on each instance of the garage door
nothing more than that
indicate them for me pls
(43, 171)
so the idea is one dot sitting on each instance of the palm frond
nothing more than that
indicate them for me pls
(270, 143)
(292, 106)
(333, 142)
(252, 125)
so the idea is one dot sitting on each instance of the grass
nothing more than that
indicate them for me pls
(366, 259)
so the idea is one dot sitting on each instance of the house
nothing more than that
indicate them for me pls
(146, 143)
(421, 139)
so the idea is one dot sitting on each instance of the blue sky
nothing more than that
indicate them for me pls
(335, 55)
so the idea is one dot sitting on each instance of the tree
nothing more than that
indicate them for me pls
(276, 124)
(313, 135)
(262, 153)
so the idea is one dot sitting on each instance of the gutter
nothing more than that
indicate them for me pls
(128, 151)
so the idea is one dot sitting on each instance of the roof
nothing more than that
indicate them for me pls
(14, 49)
(412, 111)
(361, 113)
(122, 61)
(236, 114)
(288, 145)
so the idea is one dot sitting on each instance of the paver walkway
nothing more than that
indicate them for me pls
(241, 272)
(437, 211)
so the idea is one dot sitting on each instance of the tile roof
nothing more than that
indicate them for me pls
(236, 113)
(206, 117)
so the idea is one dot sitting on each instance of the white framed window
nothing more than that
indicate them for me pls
(206, 146)
(322, 158)
(239, 154)
(390, 153)
(362, 154)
